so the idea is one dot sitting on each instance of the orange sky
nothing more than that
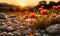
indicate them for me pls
(26, 2)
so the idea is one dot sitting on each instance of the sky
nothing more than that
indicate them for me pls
(26, 2)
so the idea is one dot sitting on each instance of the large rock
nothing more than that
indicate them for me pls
(53, 28)
(57, 19)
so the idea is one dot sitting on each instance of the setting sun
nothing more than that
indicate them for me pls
(22, 4)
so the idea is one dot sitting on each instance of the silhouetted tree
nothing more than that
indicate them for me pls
(52, 3)
(42, 3)
(47, 6)
(58, 3)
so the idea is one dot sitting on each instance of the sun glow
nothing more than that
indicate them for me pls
(22, 4)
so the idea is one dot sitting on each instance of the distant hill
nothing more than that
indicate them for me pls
(8, 7)
(11, 8)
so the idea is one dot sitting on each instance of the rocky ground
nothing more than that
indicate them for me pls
(16, 29)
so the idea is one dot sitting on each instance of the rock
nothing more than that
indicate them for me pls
(3, 34)
(10, 28)
(57, 19)
(10, 34)
(37, 34)
(43, 31)
(14, 21)
(1, 24)
(45, 35)
(16, 33)
(2, 28)
(53, 28)
(26, 32)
